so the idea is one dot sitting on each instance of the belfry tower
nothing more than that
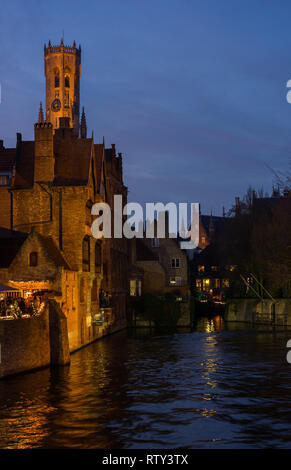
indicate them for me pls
(62, 73)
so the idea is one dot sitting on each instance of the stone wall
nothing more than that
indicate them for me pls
(25, 344)
(35, 342)
(242, 310)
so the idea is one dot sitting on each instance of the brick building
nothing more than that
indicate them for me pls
(47, 189)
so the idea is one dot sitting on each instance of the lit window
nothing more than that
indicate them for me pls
(155, 242)
(176, 281)
(198, 283)
(33, 259)
(216, 283)
(230, 267)
(225, 282)
(134, 287)
(201, 268)
(175, 262)
(206, 284)
(203, 240)
(214, 268)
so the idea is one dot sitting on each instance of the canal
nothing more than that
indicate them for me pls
(217, 386)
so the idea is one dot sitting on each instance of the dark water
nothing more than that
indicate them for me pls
(210, 388)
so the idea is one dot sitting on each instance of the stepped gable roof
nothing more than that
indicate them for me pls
(10, 243)
(72, 161)
(143, 253)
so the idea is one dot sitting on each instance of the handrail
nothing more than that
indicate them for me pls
(260, 284)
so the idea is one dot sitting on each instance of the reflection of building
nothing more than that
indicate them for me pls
(47, 189)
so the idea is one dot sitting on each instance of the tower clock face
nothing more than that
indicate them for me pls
(56, 105)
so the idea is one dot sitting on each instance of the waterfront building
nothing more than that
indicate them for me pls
(47, 188)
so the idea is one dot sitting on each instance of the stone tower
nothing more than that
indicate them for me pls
(62, 73)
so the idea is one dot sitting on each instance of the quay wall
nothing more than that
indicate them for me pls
(243, 310)
(31, 343)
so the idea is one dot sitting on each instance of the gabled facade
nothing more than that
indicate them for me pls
(52, 183)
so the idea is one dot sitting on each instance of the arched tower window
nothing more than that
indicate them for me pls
(57, 78)
(86, 253)
(67, 81)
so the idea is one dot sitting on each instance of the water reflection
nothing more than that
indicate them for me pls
(212, 387)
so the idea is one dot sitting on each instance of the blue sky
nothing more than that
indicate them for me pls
(193, 92)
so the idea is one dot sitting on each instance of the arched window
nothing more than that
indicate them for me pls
(86, 253)
(57, 78)
(67, 81)
(82, 290)
(94, 297)
(33, 258)
(98, 257)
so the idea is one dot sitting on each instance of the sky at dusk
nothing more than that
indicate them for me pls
(192, 92)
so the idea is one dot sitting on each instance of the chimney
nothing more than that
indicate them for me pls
(44, 161)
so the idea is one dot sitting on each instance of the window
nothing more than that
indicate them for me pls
(67, 99)
(206, 284)
(203, 240)
(98, 257)
(230, 267)
(225, 282)
(73, 297)
(33, 259)
(88, 209)
(94, 291)
(57, 79)
(214, 268)
(82, 290)
(4, 180)
(175, 262)
(67, 82)
(155, 242)
(86, 254)
(217, 283)
(134, 287)
(201, 268)
(199, 283)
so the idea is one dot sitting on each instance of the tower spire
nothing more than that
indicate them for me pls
(83, 125)
(40, 114)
